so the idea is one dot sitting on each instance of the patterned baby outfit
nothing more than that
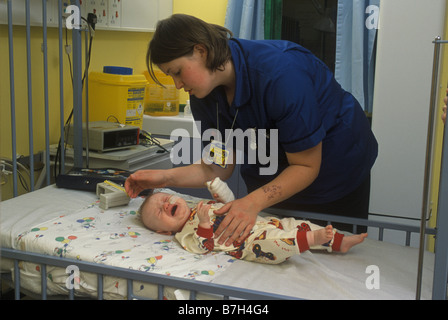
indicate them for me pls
(271, 240)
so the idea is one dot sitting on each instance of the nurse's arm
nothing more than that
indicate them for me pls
(192, 176)
(197, 174)
(303, 169)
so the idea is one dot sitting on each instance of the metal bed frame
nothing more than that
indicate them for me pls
(193, 286)
(441, 243)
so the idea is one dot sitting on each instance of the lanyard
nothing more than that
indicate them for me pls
(217, 122)
(218, 151)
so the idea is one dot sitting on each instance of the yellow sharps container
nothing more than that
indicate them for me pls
(117, 95)
(161, 101)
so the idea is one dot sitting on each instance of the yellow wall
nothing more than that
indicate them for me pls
(443, 81)
(109, 48)
(210, 11)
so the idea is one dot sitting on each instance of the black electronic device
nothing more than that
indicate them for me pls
(87, 179)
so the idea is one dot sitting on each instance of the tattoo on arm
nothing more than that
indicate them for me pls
(272, 191)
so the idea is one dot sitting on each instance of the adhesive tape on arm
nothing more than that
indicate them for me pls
(219, 187)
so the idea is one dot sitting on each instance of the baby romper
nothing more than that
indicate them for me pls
(271, 240)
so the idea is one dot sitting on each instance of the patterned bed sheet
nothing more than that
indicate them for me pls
(115, 237)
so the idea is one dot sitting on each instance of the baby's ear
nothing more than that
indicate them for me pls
(165, 233)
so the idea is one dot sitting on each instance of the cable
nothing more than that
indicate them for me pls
(148, 140)
(112, 116)
(7, 162)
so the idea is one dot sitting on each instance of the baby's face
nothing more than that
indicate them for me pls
(164, 212)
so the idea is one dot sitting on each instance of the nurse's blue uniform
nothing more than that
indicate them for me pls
(281, 85)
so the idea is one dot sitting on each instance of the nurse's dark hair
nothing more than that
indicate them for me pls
(177, 36)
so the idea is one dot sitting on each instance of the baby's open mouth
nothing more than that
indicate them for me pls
(173, 209)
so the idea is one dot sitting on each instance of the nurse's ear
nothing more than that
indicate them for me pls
(201, 50)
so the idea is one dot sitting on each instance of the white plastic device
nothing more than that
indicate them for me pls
(111, 195)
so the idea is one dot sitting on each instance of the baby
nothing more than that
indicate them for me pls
(271, 240)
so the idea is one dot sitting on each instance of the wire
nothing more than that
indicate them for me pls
(148, 140)
(112, 116)
(7, 162)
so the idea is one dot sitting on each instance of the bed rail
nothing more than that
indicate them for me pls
(441, 244)
(194, 287)
(45, 176)
(356, 222)
(162, 281)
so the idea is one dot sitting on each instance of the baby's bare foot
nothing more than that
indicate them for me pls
(321, 236)
(349, 241)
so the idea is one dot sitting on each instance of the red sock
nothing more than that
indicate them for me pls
(337, 241)
(302, 242)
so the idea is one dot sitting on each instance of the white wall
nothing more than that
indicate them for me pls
(401, 102)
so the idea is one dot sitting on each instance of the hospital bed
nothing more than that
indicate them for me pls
(59, 243)
(54, 228)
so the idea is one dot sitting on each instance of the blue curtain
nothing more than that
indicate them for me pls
(355, 48)
(245, 18)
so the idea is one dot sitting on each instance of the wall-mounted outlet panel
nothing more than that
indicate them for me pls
(125, 15)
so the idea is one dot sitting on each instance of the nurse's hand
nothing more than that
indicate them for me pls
(144, 179)
(238, 223)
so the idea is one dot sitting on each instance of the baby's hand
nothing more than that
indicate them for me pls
(204, 218)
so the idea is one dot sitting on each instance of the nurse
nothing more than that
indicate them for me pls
(326, 148)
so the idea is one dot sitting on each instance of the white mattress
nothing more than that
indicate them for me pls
(115, 237)
(310, 275)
